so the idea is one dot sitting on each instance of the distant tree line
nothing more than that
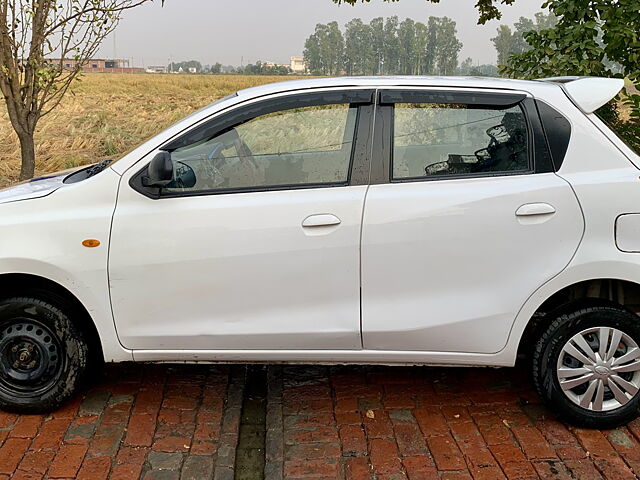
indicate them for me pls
(384, 46)
(185, 66)
(258, 68)
(468, 68)
(261, 68)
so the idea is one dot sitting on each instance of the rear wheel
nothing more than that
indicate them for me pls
(42, 356)
(586, 366)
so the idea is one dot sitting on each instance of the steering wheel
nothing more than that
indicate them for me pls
(216, 152)
(209, 169)
(438, 168)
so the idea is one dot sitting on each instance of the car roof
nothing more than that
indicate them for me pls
(388, 81)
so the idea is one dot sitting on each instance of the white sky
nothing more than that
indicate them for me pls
(225, 31)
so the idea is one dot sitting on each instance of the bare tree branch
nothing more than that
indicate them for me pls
(31, 32)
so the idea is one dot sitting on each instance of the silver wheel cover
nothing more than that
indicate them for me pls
(598, 369)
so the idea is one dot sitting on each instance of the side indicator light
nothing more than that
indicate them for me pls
(91, 243)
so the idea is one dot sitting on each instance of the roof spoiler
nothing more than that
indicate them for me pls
(588, 93)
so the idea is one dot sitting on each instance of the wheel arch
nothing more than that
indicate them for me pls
(23, 284)
(584, 293)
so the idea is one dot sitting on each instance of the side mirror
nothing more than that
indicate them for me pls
(159, 171)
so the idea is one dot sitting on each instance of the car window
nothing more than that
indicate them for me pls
(627, 131)
(293, 147)
(454, 139)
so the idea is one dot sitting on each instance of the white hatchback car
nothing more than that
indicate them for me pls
(404, 220)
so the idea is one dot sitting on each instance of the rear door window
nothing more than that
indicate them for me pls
(433, 139)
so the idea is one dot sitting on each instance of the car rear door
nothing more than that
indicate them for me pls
(255, 245)
(464, 221)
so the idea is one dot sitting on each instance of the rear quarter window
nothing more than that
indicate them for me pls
(626, 129)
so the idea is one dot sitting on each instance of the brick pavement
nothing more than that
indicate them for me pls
(415, 423)
(151, 422)
(348, 423)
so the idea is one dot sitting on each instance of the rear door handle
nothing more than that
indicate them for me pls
(531, 209)
(321, 220)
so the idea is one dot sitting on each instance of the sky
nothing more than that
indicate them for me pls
(235, 31)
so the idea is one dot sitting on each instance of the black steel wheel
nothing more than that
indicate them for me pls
(42, 356)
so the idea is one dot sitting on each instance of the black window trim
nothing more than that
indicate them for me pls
(359, 167)
(540, 160)
(557, 131)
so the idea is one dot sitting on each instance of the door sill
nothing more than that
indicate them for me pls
(326, 357)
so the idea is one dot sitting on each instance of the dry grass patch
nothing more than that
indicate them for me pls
(108, 114)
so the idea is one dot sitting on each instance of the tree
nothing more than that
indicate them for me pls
(334, 48)
(391, 45)
(588, 33)
(509, 42)
(406, 40)
(351, 46)
(504, 43)
(591, 37)
(377, 44)
(31, 33)
(324, 49)
(431, 45)
(447, 47)
(419, 48)
(216, 68)
(263, 68)
(410, 47)
(312, 53)
(488, 9)
(466, 66)
(523, 25)
(486, 70)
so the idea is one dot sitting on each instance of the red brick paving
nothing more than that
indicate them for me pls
(419, 423)
(139, 422)
(348, 423)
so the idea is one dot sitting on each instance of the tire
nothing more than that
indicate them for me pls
(43, 356)
(588, 398)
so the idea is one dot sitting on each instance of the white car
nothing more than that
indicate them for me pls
(402, 220)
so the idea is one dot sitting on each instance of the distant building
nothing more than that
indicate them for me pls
(273, 64)
(157, 69)
(298, 65)
(99, 65)
(193, 70)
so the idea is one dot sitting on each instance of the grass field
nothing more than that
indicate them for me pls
(108, 114)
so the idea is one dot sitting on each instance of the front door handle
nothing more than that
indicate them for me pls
(531, 209)
(321, 220)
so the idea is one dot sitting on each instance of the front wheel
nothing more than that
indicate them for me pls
(586, 366)
(42, 356)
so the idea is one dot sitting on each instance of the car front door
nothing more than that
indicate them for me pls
(255, 243)
(466, 219)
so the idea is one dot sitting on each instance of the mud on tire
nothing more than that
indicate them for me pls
(43, 356)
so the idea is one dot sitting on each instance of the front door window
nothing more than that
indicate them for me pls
(307, 146)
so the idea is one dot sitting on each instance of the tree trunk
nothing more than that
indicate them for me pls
(28, 153)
